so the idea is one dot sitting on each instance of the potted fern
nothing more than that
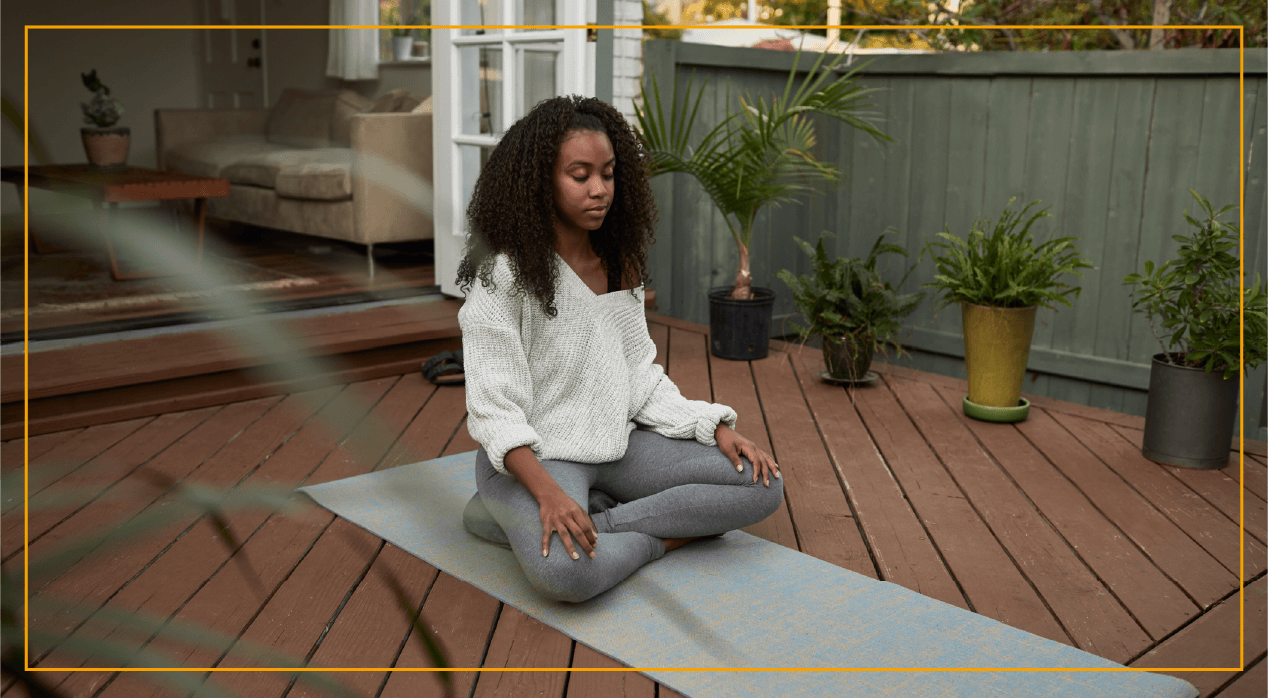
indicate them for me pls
(845, 301)
(760, 155)
(1000, 280)
(1191, 303)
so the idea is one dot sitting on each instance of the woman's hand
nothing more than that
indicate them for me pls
(562, 515)
(733, 446)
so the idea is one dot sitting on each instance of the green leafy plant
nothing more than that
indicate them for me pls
(103, 110)
(760, 154)
(1193, 299)
(846, 295)
(1004, 269)
(653, 19)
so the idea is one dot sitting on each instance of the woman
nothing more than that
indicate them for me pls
(589, 454)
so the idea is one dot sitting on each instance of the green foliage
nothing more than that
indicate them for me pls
(1004, 269)
(846, 295)
(654, 18)
(103, 111)
(761, 153)
(1195, 297)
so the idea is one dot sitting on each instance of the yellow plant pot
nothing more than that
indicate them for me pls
(996, 349)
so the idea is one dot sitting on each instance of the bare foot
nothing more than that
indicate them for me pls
(676, 543)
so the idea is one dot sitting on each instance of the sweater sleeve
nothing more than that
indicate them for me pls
(498, 383)
(665, 410)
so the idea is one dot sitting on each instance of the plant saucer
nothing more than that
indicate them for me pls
(869, 377)
(997, 414)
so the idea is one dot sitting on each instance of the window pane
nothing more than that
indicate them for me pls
(480, 74)
(481, 12)
(471, 162)
(539, 69)
(536, 13)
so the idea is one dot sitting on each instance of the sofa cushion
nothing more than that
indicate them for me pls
(302, 118)
(210, 158)
(346, 104)
(306, 173)
(424, 107)
(397, 100)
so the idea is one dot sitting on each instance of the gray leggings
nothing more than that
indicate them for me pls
(660, 488)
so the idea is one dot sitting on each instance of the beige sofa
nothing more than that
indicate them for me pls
(327, 163)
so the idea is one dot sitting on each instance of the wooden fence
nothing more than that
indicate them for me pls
(1110, 141)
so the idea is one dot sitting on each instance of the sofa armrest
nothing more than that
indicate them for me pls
(392, 176)
(175, 127)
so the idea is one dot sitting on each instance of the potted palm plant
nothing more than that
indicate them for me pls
(845, 301)
(1192, 302)
(760, 155)
(1000, 280)
(105, 144)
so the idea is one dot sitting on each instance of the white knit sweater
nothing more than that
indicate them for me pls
(574, 386)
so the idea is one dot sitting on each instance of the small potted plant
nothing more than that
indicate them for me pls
(105, 143)
(759, 155)
(402, 37)
(1000, 280)
(845, 301)
(1191, 303)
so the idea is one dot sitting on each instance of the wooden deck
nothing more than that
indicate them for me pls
(1056, 526)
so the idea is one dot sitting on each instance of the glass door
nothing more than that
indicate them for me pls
(484, 78)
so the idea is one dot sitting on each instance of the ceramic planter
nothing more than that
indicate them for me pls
(996, 349)
(740, 329)
(402, 46)
(1189, 417)
(106, 147)
(847, 356)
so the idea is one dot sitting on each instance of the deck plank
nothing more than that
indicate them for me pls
(1256, 477)
(991, 582)
(826, 528)
(900, 544)
(1201, 521)
(1212, 641)
(1137, 436)
(462, 618)
(1184, 561)
(1250, 684)
(1216, 487)
(1157, 603)
(734, 387)
(1093, 618)
(79, 488)
(371, 629)
(71, 454)
(605, 684)
(12, 452)
(523, 641)
(689, 364)
(163, 584)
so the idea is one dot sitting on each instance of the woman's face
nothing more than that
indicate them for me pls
(584, 180)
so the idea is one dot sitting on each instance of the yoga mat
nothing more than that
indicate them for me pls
(737, 602)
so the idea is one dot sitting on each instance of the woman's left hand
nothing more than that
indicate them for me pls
(733, 446)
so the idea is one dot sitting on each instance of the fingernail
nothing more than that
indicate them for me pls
(543, 552)
(776, 474)
(576, 556)
(591, 556)
(739, 467)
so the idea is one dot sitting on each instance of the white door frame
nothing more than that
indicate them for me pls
(571, 77)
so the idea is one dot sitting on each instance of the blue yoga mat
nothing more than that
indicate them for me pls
(740, 602)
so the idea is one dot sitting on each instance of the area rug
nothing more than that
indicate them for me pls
(740, 602)
(80, 282)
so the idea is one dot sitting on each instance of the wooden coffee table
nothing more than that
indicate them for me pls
(107, 187)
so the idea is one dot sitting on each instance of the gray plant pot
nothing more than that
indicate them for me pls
(1189, 416)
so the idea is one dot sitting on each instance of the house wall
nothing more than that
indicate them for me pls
(1111, 141)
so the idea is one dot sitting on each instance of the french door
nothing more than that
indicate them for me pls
(484, 78)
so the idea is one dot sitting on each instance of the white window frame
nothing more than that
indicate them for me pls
(574, 75)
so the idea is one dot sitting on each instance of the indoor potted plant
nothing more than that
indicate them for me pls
(1000, 280)
(105, 143)
(1192, 302)
(402, 37)
(845, 301)
(759, 155)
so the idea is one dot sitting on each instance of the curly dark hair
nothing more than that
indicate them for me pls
(512, 209)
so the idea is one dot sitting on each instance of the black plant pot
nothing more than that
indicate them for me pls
(740, 329)
(1189, 417)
